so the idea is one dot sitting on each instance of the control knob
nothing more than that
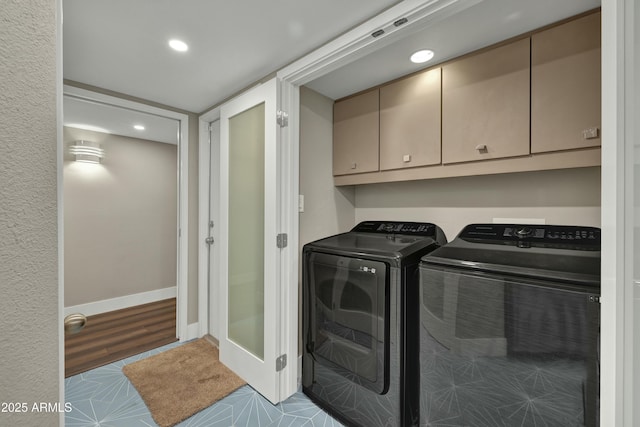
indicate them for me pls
(523, 232)
(388, 227)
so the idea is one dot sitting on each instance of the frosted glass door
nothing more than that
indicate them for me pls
(246, 230)
(249, 260)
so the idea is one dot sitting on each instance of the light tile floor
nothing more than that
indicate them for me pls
(104, 397)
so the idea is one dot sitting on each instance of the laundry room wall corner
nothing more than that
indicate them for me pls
(327, 209)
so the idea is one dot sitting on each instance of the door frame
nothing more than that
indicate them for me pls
(182, 233)
(620, 295)
(208, 166)
(207, 149)
(620, 308)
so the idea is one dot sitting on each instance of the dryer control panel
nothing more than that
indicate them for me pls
(550, 236)
(393, 227)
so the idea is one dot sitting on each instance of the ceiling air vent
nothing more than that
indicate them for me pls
(400, 21)
(378, 33)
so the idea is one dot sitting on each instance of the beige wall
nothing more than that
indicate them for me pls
(29, 367)
(120, 219)
(569, 196)
(328, 209)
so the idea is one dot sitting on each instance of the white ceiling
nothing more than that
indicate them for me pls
(121, 45)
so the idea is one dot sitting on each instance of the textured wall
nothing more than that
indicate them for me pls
(120, 219)
(29, 370)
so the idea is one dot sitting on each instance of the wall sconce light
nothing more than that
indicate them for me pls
(86, 151)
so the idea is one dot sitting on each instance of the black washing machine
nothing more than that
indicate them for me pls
(509, 327)
(360, 292)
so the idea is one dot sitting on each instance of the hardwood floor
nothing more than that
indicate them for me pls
(112, 336)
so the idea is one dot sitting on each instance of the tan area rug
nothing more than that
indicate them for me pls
(180, 382)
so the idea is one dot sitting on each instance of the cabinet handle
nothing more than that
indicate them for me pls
(481, 147)
(353, 165)
(406, 158)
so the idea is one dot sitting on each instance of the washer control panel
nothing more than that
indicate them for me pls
(393, 227)
(558, 236)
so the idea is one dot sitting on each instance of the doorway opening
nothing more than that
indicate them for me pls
(124, 209)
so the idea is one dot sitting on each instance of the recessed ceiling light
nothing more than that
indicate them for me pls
(138, 127)
(421, 56)
(178, 45)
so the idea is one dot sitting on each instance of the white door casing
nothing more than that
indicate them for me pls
(208, 217)
(620, 327)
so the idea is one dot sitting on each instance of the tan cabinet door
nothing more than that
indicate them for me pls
(356, 134)
(565, 86)
(485, 104)
(410, 120)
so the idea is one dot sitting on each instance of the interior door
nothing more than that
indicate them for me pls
(249, 292)
(213, 191)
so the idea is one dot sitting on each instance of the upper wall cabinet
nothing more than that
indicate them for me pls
(529, 103)
(356, 134)
(485, 104)
(565, 86)
(410, 121)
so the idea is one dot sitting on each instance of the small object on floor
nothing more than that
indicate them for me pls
(74, 323)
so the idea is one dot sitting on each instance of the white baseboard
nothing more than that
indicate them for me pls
(118, 303)
(193, 331)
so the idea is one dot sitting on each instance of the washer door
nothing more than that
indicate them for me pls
(348, 321)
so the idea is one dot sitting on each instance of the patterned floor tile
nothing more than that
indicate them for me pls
(104, 397)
